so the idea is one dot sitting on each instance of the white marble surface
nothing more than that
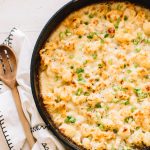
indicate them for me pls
(29, 16)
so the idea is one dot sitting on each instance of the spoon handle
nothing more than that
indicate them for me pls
(22, 117)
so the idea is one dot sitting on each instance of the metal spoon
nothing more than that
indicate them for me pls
(8, 67)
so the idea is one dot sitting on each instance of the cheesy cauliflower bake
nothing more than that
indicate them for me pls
(95, 76)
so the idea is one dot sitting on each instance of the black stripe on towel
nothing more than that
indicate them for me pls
(38, 127)
(8, 40)
(1, 86)
(5, 133)
(45, 146)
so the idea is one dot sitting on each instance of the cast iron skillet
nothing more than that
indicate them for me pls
(35, 62)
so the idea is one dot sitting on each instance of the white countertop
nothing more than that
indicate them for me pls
(29, 16)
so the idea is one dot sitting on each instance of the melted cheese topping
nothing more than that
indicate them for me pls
(95, 76)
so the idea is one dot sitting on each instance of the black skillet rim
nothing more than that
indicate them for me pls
(51, 25)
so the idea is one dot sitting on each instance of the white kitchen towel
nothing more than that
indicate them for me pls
(9, 120)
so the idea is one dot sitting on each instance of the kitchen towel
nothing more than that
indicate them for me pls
(9, 120)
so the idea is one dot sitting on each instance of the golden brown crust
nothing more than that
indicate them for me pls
(95, 76)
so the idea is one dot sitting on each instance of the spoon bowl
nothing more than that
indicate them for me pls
(8, 66)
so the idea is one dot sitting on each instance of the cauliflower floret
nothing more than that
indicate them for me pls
(81, 31)
(114, 15)
(85, 130)
(86, 142)
(146, 27)
(66, 75)
(116, 118)
(77, 137)
(146, 113)
(68, 130)
(52, 107)
(68, 45)
(123, 37)
(124, 132)
(78, 99)
(44, 57)
(109, 97)
(64, 93)
(53, 67)
(136, 138)
(142, 72)
(140, 17)
(146, 139)
(98, 145)
(91, 47)
(108, 123)
(145, 60)
(130, 13)
(125, 112)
